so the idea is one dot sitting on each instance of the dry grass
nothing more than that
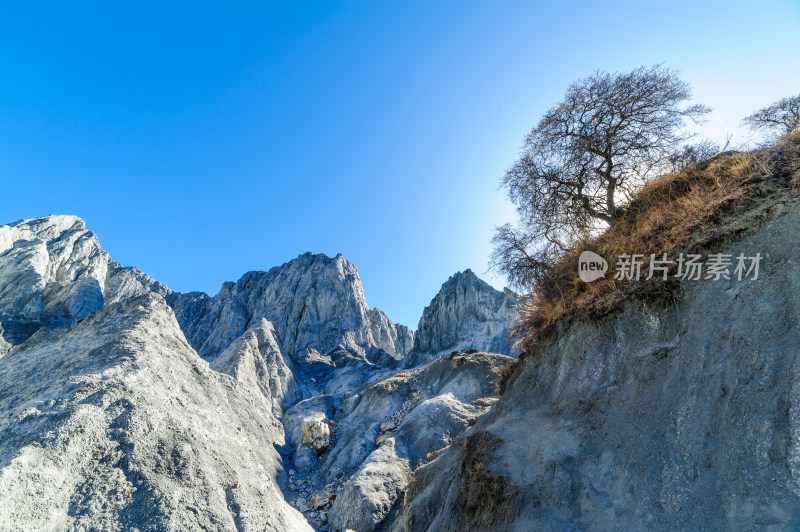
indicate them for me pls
(690, 211)
(486, 501)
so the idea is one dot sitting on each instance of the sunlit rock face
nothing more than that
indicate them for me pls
(256, 359)
(467, 313)
(54, 272)
(390, 426)
(115, 423)
(274, 405)
(314, 302)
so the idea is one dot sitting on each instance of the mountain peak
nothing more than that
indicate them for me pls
(43, 228)
(314, 301)
(284, 349)
(467, 276)
(54, 272)
(467, 313)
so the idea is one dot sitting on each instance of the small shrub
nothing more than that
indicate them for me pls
(486, 501)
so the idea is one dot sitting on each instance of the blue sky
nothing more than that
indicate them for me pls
(202, 140)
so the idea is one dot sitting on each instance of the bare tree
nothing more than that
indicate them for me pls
(781, 118)
(692, 154)
(585, 159)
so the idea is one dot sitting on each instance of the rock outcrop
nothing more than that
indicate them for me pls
(313, 302)
(657, 417)
(126, 406)
(256, 359)
(54, 272)
(467, 313)
(115, 423)
(380, 432)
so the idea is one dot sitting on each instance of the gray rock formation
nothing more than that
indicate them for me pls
(467, 313)
(54, 272)
(679, 417)
(297, 421)
(313, 302)
(115, 423)
(111, 420)
(381, 431)
(255, 358)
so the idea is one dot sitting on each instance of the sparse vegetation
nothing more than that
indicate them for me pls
(779, 119)
(487, 501)
(585, 181)
(586, 159)
(690, 211)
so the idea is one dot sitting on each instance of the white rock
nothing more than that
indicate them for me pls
(392, 423)
(54, 272)
(255, 358)
(313, 301)
(116, 423)
(316, 434)
(110, 420)
(467, 313)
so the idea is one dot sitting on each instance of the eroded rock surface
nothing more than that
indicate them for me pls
(467, 313)
(54, 272)
(115, 423)
(383, 430)
(313, 302)
(126, 406)
(255, 358)
(658, 417)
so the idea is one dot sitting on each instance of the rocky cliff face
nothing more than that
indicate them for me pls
(115, 423)
(380, 432)
(467, 313)
(314, 302)
(294, 418)
(54, 272)
(658, 417)
(126, 406)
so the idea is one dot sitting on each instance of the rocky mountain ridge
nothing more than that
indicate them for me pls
(126, 405)
(314, 302)
(54, 272)
(467, 313)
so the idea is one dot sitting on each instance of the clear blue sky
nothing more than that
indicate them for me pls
(203, 140)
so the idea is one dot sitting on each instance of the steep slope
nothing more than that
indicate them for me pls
(255, 359)
(373, 437)
(314, 302)
(110, 420)
(54, 272)
(657, 417)
(115, 423)
(467, 313)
